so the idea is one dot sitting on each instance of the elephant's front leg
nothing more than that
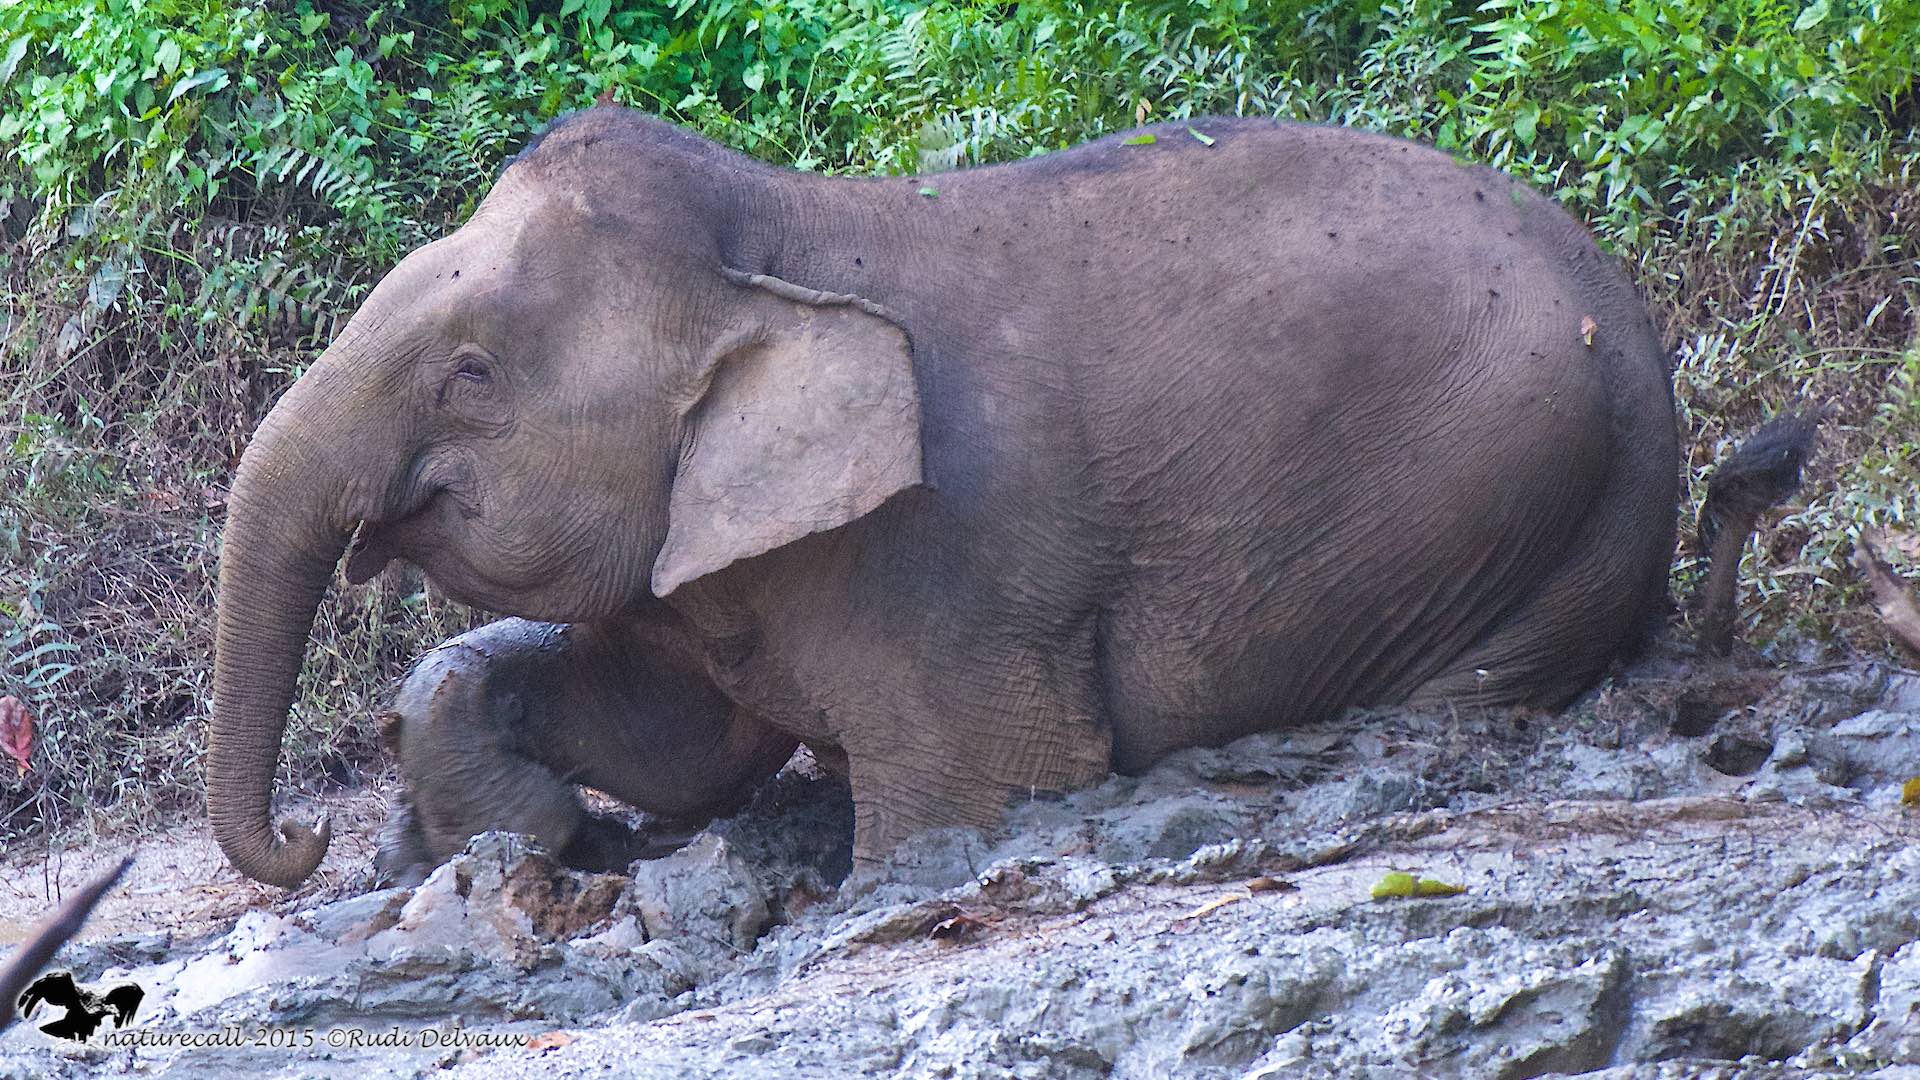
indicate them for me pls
(958, 745)
(493, 729)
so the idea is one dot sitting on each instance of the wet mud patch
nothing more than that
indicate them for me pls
(1694, 868)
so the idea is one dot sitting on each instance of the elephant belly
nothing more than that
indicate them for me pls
(1208, 651)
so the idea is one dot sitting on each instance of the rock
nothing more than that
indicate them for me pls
(1901, 693)
(1881, 750)
(1894, 1034)
(705, 897)
(1731, 892)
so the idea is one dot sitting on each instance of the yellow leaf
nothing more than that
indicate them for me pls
(1393, 885)
(1910, 792)
(1398, 885)
(1214, 905)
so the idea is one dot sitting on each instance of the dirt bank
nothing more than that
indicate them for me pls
(1696, 870)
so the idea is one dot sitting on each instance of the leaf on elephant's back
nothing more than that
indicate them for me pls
(1587, 328)
(1144, 139)
(930, 192)
(1910, 792)
(1203, 138)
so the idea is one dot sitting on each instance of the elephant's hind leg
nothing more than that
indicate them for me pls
(1598, 605)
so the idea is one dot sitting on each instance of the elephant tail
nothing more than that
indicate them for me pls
(1759, 475)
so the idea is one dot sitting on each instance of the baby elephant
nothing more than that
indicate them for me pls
(493, 728)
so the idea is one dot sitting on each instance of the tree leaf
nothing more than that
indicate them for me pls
(16, 51)
(167, 56)
(1527, 124)
(104, 286)
(214, 77)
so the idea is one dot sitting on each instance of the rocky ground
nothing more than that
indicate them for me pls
(1696, 871)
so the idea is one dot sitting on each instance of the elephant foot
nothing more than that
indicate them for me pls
(599, 845)
(402, 858)
(604, 845)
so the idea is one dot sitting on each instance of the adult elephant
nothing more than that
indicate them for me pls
(987, 482)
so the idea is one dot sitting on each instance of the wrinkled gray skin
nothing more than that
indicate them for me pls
(984, 492)
(494, 728)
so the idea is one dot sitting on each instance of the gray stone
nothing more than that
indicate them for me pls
(1737, 896)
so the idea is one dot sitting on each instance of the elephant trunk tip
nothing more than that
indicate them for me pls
(284, 860)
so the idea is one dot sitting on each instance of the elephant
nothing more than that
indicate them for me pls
(493, 728)
(980, 484)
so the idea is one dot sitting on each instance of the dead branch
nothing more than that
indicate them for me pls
(1762, 473)
(1894, 603)
(46, 939)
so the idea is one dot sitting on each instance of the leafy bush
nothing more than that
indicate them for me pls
(194, 192)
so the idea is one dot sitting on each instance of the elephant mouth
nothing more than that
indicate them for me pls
(428, 528)
(425, 513)
(373, 548)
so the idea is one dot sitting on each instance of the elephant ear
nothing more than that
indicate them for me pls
(807, 422)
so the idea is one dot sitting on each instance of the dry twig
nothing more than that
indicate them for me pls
(53, 932)
(1894, 603)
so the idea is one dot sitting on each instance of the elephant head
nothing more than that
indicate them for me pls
(585, 397)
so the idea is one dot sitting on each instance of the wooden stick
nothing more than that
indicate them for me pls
(53, 932)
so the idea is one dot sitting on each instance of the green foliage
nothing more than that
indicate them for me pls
(390, 119)
(194, 193)
(1620, 103)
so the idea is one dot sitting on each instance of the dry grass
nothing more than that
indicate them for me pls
(1813, 306)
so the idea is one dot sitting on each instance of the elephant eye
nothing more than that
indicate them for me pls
(470, 391)
(473, 370)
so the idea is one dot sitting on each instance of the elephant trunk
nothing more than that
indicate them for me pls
(285, 533)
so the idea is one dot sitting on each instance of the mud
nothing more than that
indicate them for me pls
(1696, 871)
